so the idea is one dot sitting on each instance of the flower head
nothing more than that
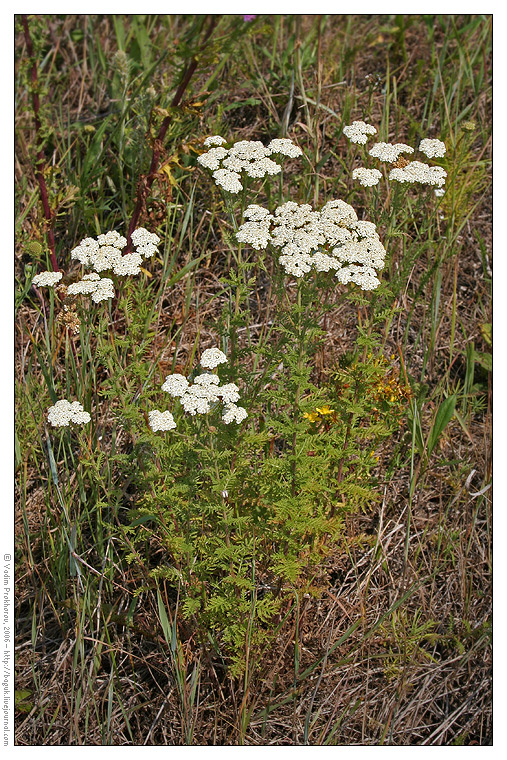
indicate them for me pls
(416, 171)
(203, 394)
(388, 152)
(214, 140)
(233, 413)
(250, 157)
(105, 253)
(161, 420)
(432, 148)
(64, 412)
(358, 132)
(230, 181)
(47, 278)
(284, 146)
(229, 393)
(332, 238)
(176, 385)
(145, 242)
(325, 410)
(367, 177)
(92, 284)
(128, 264)
(212, 357)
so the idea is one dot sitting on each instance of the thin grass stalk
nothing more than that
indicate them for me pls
(39, 165)
(146, 182)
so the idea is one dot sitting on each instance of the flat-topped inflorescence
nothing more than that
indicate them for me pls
(432, 148)
(332, 238)
(49, 279)
(388, 152)
(249, 157)
(161, 420)
(391, 153)
(359, 132)
(64, 412)
(212, 357)
(204, 393)
(416, 171)
(93, 285)
(105, 254)
(367, 177)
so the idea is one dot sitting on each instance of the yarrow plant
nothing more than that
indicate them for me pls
(403, 171)
(246, 157)
(246, 495)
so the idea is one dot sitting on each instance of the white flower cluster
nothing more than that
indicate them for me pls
(212, 357)
(93, 285)
(358, 132)
(47, 278)
(332, 238)
(161, 420)
(105, 253)
(199, 397)
(367, 177)
(249, 156)
(64, 412)
(432, 148)
(388, 152)
(416, 171)
(146, 243)
(214, 140)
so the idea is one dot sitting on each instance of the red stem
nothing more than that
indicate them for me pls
(146, 182)
(39, 165)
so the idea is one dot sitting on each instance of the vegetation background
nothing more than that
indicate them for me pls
(396, 648)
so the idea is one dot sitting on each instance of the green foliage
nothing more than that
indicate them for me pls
(245, 515)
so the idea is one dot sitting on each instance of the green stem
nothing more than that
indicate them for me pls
(295, 413)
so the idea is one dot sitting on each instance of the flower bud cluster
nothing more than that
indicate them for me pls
(332, 238)
(65, 412)
(248, 156)
(201, 396)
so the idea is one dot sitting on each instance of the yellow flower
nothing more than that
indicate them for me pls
(312, 416)
(325, 410)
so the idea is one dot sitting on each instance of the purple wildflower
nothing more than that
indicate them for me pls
(249, 18)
